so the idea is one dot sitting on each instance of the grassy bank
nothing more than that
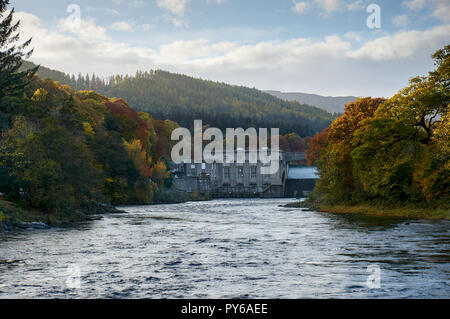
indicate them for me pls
(376, 211)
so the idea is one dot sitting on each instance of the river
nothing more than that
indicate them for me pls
(229, 249)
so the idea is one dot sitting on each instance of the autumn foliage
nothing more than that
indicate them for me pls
(393, 152)
(62, 149)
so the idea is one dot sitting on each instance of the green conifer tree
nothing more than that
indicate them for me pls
(12, 53)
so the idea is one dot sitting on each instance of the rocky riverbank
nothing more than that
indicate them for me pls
(14, 217)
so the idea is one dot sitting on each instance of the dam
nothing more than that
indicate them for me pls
(245, 180)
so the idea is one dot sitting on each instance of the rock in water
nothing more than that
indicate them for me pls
(32, 225)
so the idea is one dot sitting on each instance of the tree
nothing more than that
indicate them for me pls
(425, 101)
(336, 164)
(384, 159)
(315, 145)
(160, 173)
(441, 75)
(12, 54)
(420, 105)
(391, 152)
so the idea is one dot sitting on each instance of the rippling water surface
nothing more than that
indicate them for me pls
(229, 249)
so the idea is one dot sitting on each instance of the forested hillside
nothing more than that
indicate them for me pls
(184, 99)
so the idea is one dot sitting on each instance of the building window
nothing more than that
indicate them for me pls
(240, 172)
(253, 172)
(226, 172)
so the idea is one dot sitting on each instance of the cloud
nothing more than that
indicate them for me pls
(300, 7)
(326, 7)
(109, 11)
(177, 7)
(414, 4)
(329, 6)
(121, 26)
(329, 66)
(356, 5)
(86, 29)
(353, 36)
(400, 21)
(442, 10)
(404, 44)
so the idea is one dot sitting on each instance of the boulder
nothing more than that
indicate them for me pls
(32, 225)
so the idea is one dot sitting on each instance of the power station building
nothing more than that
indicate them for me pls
(237, 180)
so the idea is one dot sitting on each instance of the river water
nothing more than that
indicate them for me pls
(229, 249)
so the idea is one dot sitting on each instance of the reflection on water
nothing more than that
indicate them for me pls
(229, 249)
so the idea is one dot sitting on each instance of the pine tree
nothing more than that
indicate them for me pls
(12, 54)
(87, 82)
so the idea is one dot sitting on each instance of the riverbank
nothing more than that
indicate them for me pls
(375, 211)
(12, 216)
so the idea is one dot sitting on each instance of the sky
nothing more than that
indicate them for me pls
(326, 47)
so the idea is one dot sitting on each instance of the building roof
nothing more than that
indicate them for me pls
(303, 172)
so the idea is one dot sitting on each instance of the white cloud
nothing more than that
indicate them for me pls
(414, 4)
(177, 7)
(404, 44)
(400, 21)
(356, 5)
(121, 26)
(331, 66)
(326, 8)
(110, 11)
(300, 7)
(353, 36)
(442, 9)
(329, 6)
(86, 30)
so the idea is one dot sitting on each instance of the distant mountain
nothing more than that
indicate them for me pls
(183, 99)
(330, 104)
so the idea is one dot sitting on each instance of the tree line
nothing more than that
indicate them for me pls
(183, 99)
(390, 152)
(62, 151)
